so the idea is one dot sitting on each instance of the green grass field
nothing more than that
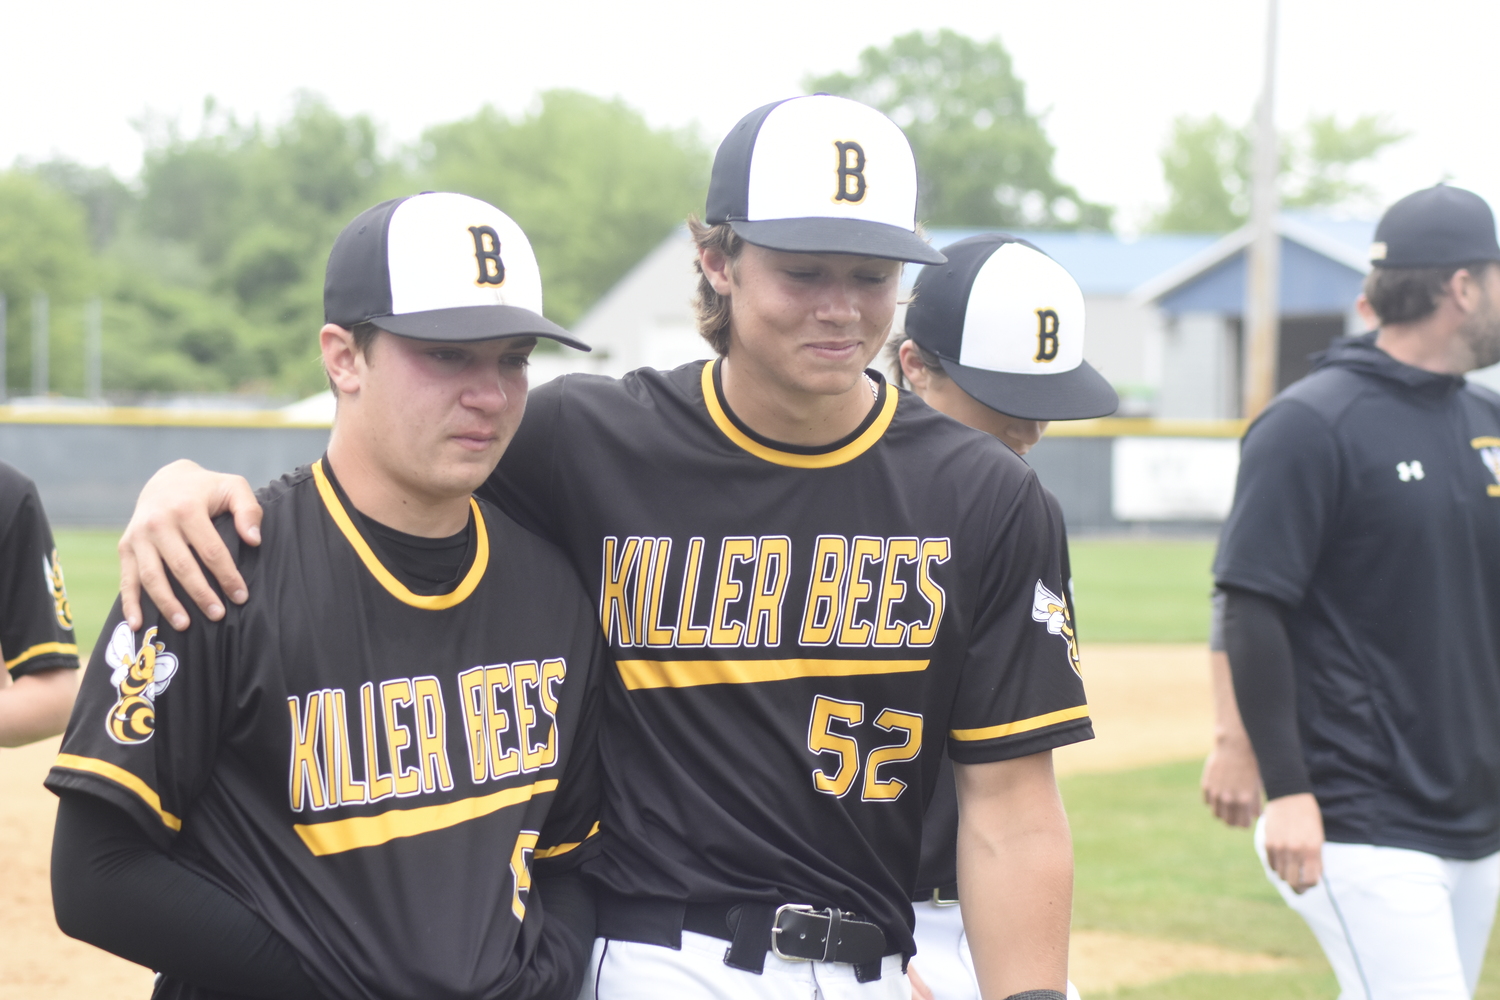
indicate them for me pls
(1150, 859)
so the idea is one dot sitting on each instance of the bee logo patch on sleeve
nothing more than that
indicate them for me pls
(1048, 607)
(52, 570)
(139, 676)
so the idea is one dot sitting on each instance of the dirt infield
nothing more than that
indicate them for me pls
(1150, 705)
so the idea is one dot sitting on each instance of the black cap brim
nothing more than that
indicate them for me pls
(1072, 395)
(463, 323)
(852, 236)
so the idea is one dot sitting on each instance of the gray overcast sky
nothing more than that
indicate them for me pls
(1109, 75)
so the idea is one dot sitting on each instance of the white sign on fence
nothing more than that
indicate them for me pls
(1174, 479)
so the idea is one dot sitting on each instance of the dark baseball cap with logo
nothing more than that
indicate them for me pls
(1006, 321)
(1440, 226)
(819, 174)
(438, 266)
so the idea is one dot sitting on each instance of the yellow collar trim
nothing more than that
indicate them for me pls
(397, 589)
(796, 460)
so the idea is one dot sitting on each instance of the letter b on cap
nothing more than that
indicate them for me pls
(851, 172)
(1046, 335)
(487, 254)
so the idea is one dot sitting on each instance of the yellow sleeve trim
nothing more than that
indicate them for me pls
(339, 835)
(397, 589)
(124, 778)
(42, 649)
(1023, 726)
(796, 460)
(552, 852)
(1485, 442)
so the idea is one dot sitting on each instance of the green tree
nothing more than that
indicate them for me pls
(983, 159)
(594, 187)
(44, 248)
(1206, 164)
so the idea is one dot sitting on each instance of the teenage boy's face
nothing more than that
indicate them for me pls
(437, 415)
(810, 322)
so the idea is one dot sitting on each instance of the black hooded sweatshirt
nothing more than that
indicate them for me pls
(1367, 511)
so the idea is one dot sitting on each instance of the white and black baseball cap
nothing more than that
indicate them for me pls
(819, 174)
(1007, 323)
(438, 266)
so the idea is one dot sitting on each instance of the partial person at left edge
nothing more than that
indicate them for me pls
(36, 623)
(378, 780)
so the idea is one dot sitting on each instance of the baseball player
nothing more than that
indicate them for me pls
(36, 624)
(811, 584)
(377, 756)
(1361, 564)
(1007, 321)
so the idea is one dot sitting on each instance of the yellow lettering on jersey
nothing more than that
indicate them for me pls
(503, 761)
(658, 634)
(893, 591)
(614, 610)
(381, 786)
(854, 632)
(520, 871)
(934, 550)
(822, 739)
(688, 634)
(734, 549)
(432, 734)
(553, 672)
(343, 788)
(642, 591)
(820, 618)
(890, 720)
(473, 693)
(306, 778)
(398, 736)
(528, 676)
(773, 557)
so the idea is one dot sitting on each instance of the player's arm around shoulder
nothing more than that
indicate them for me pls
(1015, 874)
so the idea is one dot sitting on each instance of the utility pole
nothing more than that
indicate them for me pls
(1262, 290)
(40, 321)
(93, 349)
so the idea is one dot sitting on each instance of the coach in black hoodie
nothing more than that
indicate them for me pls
(1362, 566)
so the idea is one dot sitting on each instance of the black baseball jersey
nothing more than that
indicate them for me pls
(370, 764)
(939, 867)
(797, 632)
(36, 624)
(1368, 504)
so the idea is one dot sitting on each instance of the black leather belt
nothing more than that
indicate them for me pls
(793, 932)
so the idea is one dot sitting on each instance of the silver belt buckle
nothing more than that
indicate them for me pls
(776, 929)
(938, 901)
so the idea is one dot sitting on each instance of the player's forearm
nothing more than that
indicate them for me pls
(1229, 727)
(1015, 875)
(36, 706)
(1265, 687)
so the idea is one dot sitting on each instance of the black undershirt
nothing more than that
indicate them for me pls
(1265, 686)
(114, 888)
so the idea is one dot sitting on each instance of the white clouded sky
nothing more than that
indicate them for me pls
(1110, 75)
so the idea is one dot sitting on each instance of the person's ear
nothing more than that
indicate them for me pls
(1366, 313)
(1467, 290)
(717, 268)
(917, 374)
(340, 357)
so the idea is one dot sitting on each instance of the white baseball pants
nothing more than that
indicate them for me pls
(943, 959)
(628, 970)
(1397, 924)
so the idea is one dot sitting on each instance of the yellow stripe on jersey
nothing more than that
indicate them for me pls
(795, 460)
(122, 777)
(552, 852)
(1485, 442)
(1023, 726)
(41, 649)
(642, 674)
(398, 590)
(339, 835)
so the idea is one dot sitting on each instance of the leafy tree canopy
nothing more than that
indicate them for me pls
(983, 159)
(1206, 164)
